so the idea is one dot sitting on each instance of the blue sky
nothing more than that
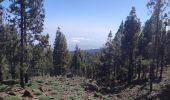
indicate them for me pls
(88, 22)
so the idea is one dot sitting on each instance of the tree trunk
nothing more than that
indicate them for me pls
(12, 65)
(155, 48)
(162, 65)
(130, 67)
(162, 60)
(22, 44)
(26, 77)
(12, 71)
(139, 70)
(157, 63)
(1, 77)
(151, 76)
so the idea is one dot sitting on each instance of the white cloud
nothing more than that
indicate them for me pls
(75, 41)
(87, 37)
(78, 39)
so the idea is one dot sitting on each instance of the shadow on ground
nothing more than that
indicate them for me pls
(165, 93)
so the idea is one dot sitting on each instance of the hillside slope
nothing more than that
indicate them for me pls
(62, 88)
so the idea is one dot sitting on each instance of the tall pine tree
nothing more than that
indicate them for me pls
(158, 9)
(28, 15)
(61, 57)
(2, 39)
(107, 60)
(129, 41)
(118, 69)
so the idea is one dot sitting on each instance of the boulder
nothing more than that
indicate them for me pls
(69, 75)
(91, 86)
(42, 89)
(27, 93)
(11, 93)
(3, 95)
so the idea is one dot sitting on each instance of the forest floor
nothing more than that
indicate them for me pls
(62, 88)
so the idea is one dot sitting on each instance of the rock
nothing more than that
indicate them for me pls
(46, 94)
(91, 87)
(90, 80)
(27, 93)
(69, 75)
(11, 93)
(22, 91)
(3, 95)
(42, 89)
(17, 89)
(46, 83)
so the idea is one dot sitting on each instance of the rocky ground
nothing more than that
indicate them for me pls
(77, 88)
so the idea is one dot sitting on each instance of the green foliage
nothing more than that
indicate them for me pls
(37, 92)
(99, 95)
(44, 98)
(5, 67)
(129, 41)
(71, 98)
(105, 98)
(78, 62)
(10, 82)
(3, 87)
(132, 52)
(61, 57)
(34, 85)
(107, 60)
(145, 41)
(53, 93)
(12, 98)
(168, 48)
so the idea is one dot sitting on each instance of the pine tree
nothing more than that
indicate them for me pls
(118, 71)
(12, 48)
(158, 8)
(2, 51)
(49, 60)
(77, 66)
(107, 59)
(61, 55)
(144, 49)
(129, 41)
(2, 39)
(145, 40)
(168, 47)
(162, 50)
(28, 15)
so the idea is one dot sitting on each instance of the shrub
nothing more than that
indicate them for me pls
(44, 98)
(53, 92)
(12, 98)
(37, 92)
(71, 98)
(105, 98)
(39, 81)
(3, 87)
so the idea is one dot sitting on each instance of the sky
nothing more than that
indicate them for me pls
(88, 22)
